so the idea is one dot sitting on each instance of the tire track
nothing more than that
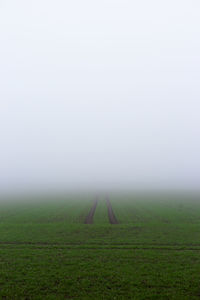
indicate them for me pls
(111, 215)
(90, 216)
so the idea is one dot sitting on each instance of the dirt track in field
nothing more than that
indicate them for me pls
(90, 216)
(111, 215)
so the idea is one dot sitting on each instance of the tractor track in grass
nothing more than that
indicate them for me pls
(111, 215)
(90, 216)
(76, 246)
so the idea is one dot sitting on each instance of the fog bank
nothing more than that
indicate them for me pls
(99, 95)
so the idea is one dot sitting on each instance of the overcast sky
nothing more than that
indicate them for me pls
(99, 94)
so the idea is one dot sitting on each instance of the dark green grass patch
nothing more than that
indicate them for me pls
(46, 252)
(62, 273)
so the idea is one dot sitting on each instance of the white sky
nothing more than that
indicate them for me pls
(99, 94)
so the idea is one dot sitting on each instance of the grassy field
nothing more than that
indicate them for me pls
(47, 252)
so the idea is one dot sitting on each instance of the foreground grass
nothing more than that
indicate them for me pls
(59, 273)
(46, 252)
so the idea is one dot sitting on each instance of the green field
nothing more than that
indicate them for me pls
(47, 252)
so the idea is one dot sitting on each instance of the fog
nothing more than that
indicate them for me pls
(99, 94)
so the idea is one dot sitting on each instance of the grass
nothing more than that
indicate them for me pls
(101, 214)
(46, 252)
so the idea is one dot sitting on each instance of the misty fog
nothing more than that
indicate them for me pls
(99, 94)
